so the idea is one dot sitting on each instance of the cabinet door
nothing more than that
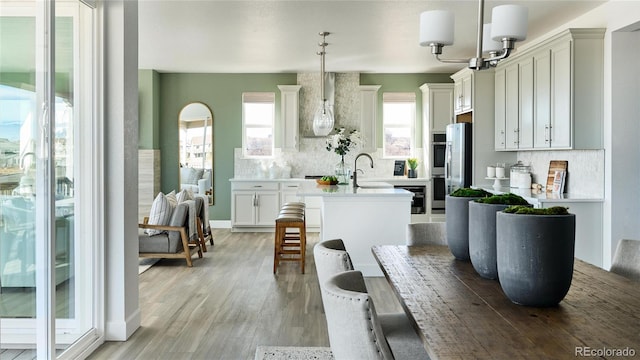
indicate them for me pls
(525, 95)
(313, 210)
(267, 207)
(467, 93)
(242, 207)
(542, 109)
(289, 112)
(561, 115)
(289, 196)
(457, 93)
(500, 109)
(441, 108)
(511, 107)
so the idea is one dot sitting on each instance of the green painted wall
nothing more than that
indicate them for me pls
(148, 107)
(402, 83)
(223, 94)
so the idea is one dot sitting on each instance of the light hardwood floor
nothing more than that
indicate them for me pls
(230, 302)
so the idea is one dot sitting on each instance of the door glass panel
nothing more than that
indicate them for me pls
(24, 162)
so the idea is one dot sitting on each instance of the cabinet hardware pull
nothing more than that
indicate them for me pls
(257, 186)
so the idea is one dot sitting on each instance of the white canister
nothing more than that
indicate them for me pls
(491, 171)
(274, 171)
(500, 172)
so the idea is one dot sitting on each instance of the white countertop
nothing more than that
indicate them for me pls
(541, 197)
(313, 189)
(395, 180)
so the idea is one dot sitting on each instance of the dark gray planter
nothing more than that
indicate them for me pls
(482, 238)
(535, 257)
(457, 223)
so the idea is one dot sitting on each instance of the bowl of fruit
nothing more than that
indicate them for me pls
(327, 180)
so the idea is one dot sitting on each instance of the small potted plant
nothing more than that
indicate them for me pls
(413, 165)
(457, 219)
(482, 230)
(535, 251)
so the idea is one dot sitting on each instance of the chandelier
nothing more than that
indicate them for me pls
(497, 39)
(323, 118)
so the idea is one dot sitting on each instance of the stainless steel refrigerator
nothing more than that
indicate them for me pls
(458, 166)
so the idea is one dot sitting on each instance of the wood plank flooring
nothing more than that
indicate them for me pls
(230, 302)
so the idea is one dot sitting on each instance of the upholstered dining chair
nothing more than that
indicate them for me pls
(332, 258)
(626, 261)
(355, 329)
(432, 233)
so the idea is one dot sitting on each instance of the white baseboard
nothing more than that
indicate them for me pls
(220, 224)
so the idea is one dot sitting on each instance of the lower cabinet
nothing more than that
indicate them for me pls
(258, 208)
(255, 205)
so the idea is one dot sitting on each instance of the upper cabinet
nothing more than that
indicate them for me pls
(550, 96)
(289, 109)
(437, 107)
(369, 116)
(463, 96)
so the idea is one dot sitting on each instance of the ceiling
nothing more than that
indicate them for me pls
(275, 36)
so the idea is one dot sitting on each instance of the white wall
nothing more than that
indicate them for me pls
(120, 84)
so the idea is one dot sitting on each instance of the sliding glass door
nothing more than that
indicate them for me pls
(48, 177)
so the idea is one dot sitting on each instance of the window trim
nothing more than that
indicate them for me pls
(258, 98)
(400, 98)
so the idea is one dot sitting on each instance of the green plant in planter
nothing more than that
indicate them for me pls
(469, 192)
(504, 199)
(554, 210)
(535, 251)
(413, 163)
(482, 230)
(457, 220)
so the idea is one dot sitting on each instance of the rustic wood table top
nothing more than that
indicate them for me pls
(460, 315)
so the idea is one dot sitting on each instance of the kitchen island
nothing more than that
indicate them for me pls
(362, 217)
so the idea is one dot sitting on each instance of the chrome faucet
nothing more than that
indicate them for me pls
(355, 166)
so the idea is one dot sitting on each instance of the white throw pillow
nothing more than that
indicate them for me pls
(161, 211)
(184, 195)
(173, 200)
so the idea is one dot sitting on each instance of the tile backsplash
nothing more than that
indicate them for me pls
(585, 168)
(314, 159)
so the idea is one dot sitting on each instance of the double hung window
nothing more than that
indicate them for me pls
(398, 122)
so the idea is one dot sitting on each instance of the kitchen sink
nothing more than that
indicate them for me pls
(374, 185)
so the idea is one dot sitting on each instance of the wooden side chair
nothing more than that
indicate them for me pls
(173, 239)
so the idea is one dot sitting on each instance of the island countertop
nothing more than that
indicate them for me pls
(335, 191)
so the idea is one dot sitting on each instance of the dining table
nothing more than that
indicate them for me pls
(460, 315)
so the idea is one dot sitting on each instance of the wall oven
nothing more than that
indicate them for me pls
(438, 193)
(438, 151)
(438, 189)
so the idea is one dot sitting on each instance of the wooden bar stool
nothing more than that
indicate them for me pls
(290, 246)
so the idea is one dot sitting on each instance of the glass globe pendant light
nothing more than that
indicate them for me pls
(323, 120)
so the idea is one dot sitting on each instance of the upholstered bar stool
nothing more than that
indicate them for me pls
(290, 246)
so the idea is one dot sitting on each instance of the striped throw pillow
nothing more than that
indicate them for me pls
(161, 211)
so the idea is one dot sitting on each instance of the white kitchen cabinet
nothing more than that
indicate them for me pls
(525, 107)
(542, 95)
(561, 105)
(254, 203)
(463, 91)
(500, 110)
(369, 116)
(560, 94)
(512, 124)
(289, 110)
(437, 107)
